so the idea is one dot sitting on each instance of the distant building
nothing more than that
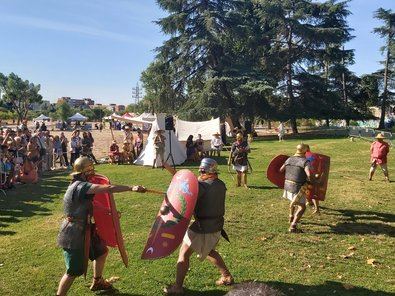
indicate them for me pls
(77, 103)
(120, 108)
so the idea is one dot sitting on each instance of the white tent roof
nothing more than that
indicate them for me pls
(42, 117)
(130, 120)
(147, 155)
(205, 128)
(78, 117)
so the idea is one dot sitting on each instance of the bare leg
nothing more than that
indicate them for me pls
(298, 215)
(316, 203)
(65, 284)
(244, 177)
(215, 258)
(371, 172)
(98, 265)
(238, 179)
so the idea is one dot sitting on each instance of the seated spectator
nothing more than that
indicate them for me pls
(191, 149)
(127, 152)
(114, 153)
(216, 144)
(199, 144)
(28, 172)
(33, 153)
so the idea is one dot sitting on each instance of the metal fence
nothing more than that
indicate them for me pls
(369, 133)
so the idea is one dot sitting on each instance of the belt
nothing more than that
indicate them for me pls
(293, 182)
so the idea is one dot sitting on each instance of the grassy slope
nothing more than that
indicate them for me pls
(357, 213)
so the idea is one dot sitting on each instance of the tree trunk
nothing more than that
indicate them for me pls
(385, 92)
(290, 85)
(269, 124)
(327, 122)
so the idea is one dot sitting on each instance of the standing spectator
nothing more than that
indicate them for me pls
(378, 155)
(41, 141)
(138, 143)
(75, 146)
(281, 132)
(28, 172)
(58, 152)
(50, 151)
(65, 143)
(101, 126)
(128, 135)
(159, 145)
(91, 155)
(37, 126)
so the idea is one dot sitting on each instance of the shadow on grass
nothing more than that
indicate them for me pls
(275, 289)
(28, 200)
(262, 187)
(358, 222)
(187, 292)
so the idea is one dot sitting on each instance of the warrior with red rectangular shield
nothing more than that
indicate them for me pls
(78, 236)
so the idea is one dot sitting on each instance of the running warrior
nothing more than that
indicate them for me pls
(204, 233)
(239, 158)
(297, 173)
(78, 209)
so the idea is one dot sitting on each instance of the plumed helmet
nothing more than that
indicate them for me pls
(301, 150)
(82, 165)
(208, 165)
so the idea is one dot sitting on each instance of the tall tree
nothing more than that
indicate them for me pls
(64, 110)
(301, 29)
(19, 94)
(386, 31)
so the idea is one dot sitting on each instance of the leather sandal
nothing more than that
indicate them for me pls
(100, 284)
(225, 281)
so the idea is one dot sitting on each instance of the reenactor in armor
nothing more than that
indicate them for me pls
(239, 158)
(297, 173)
(77, 227)
(204, 233)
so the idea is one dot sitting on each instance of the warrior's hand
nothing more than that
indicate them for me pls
(139, 188)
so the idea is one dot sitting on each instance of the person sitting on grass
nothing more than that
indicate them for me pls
(78, 207)
(216, 144)
(28, 172)
(378, 156)
(138, 143)
(114, 153)
(297, 173)
(204, 233)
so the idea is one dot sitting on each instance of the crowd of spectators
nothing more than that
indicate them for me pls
(27, 153)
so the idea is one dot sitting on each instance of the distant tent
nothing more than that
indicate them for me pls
(42, 117)
(78, 117)
(147, 155)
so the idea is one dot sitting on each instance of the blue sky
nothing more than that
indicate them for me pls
(98, 48)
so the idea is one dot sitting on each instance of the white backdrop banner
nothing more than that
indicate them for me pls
(205, 128)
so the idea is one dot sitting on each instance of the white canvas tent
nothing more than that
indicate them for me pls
(205, 128)
(147, 155)
(78, 117)
(42, 117)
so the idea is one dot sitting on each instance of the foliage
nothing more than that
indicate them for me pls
(64, 110)
(387, 31)
(19, 94)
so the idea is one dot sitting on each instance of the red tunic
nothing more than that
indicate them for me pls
(379, 151)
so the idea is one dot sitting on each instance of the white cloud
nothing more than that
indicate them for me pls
(65, 27)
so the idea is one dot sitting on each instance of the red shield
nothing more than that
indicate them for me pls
(319, 167)
(273, 171)
(107, 218)
(174, 216)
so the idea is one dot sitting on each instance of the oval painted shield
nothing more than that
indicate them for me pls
(174, 216)
(273, 170)
(107, 218)
(319, 167)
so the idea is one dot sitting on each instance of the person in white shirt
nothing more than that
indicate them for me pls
(216, 144)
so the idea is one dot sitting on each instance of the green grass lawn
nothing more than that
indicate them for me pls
(357, 223)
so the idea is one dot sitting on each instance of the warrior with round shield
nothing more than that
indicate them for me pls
(239, 158)
(297, 173)
(77, 227)
(203, 234)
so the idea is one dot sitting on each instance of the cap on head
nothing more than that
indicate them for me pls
(301, 150)
(208, 165)
(83, 165)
